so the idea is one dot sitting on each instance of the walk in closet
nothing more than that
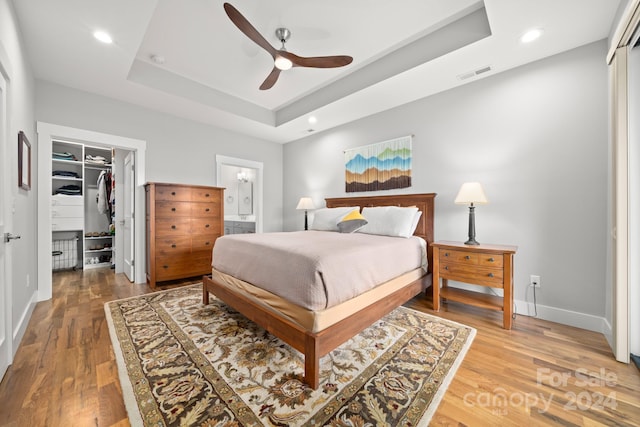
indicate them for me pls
(82, 206)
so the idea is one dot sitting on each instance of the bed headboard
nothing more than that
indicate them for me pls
(424, 202)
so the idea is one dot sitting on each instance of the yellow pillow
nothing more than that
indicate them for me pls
(351, 222)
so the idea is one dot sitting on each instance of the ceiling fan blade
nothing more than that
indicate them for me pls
(317, 61)
(249, 30)
(271, 79)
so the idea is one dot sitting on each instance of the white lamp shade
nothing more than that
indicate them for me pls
(471, 192)
(305, 203)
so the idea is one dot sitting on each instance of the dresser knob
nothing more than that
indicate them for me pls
(446, 254)
(206, 226)
(173, 193)
(446, 267)
(173, 209)
(206, 195)
(467, 257)
(206, 210)
(173, 227)
(173, 246)
(165, 266)
(490, 274)
(491, 259)
(207, 243)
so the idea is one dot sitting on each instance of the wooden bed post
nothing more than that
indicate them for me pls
(311, 362)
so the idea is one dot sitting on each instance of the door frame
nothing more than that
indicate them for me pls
(128, 191)
(6, 339)
(48, 132)
(259, 167)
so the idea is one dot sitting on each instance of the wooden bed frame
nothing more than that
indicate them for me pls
(316, 345)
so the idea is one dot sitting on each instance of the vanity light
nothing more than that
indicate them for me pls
(531, 35)
(103, 37)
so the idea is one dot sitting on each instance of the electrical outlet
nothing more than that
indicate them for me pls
(534, 281)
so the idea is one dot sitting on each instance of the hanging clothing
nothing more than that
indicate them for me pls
(104, 193)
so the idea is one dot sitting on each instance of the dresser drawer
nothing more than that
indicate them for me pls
(204, 209)
(173, 246)
(173, 192)
(172, 227)
(204, 194)
(205, 226)
(168, 268)
(472, 273)
(165, 208)
(203, 243)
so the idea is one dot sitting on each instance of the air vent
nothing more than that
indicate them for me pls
(474, 73)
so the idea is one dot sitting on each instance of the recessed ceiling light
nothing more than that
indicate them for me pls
(531, 35)
(312, 120)
(103, 37)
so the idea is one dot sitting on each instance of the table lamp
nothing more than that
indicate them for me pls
(471, 193)
(305, 203)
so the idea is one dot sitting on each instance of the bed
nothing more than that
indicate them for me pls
(317, 332)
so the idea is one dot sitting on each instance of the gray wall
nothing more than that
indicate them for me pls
(20, 212)
(178, 150)
(535, 137)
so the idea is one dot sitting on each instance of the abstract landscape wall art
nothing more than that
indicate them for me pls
(382, 166)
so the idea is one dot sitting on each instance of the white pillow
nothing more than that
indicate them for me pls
(326, 219)
(390, 221)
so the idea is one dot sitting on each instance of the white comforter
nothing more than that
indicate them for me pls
(317, 269)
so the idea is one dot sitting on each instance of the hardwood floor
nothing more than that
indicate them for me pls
(538, 373)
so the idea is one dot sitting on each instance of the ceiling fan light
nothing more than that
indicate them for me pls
(282, 63)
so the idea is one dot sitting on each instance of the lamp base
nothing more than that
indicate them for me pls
(471, 242)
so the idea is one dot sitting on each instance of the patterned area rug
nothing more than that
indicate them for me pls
(183, 363)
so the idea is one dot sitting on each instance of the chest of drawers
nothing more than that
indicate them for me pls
(484, 265)
(183, 222)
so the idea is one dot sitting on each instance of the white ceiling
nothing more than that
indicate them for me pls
(403, 50)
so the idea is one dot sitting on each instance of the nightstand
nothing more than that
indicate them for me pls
(484, 265)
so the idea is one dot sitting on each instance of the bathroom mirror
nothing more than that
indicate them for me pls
(245, 198)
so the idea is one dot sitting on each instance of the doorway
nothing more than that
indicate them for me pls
(243, 183)
(47, 133)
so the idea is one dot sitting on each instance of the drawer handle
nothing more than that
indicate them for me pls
(446, 267)
(490, 274)
(491, 259)
(446, 254)
(467, 257)
(173, 227)
(206, 210)
(165, 266)
(173, 246)
(206, 226)
(173, 209)
(206, 195)
(207, 243)
(173, 193)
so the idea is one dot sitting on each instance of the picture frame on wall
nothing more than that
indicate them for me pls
(24, 162)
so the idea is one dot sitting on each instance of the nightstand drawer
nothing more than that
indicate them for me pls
(472, 273)
(458, 256)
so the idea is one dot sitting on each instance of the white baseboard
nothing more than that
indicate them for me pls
(566, 317)
(21, 327)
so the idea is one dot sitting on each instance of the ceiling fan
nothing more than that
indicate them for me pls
(282, 60)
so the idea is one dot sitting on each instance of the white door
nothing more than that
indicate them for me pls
(129, 206)
(5, 306)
